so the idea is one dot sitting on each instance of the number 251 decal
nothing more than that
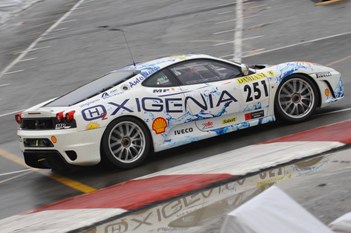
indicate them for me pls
(254, 92)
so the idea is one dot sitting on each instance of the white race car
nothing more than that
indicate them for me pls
(130, 112)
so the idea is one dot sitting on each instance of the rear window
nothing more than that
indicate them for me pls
(93, 88)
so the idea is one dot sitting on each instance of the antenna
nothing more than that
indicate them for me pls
(125, 38)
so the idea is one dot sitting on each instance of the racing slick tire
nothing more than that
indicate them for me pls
(296, 99)
(126, 143)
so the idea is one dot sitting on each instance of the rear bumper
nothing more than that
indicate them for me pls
(45, 159)
(72, 147)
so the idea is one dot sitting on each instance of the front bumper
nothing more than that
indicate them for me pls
(73, 147)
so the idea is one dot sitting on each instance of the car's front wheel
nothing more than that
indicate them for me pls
(126, 142)
(296, 99)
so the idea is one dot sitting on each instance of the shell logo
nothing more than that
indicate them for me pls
(159, 125)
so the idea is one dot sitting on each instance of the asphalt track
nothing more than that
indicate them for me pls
(77, 49)
(194, 196)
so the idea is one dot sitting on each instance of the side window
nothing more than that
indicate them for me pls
(194, 72)
(202, 71)
(160, 79)
(225, 71)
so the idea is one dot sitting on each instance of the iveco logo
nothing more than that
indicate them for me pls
(183, 131)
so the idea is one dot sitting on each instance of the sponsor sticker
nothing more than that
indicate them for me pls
(207, 125)
(251, 78)
(323, 75)
(161, 90)
(254, 115)
(62, 126)
(159, 125)
(93, 113)
(92, 125)
(183, 131)
(230, 120)
(105, 95)
(136, 81)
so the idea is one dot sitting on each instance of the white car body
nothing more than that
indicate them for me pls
(174, 115)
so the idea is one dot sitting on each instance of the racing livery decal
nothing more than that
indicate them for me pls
(323, 74)
(254, 115)
(94, 113)
(251, 78)
(159, 125)
(156, 104)
(211, 102)
(92, 125)
(227, 121)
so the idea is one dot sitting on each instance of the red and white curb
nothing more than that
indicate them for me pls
(85, 210)
(56, 220)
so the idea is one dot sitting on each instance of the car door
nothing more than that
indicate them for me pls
(212, 94)
(163, 102)
(255, 93)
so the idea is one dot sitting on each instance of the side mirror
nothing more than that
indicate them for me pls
(244, 69)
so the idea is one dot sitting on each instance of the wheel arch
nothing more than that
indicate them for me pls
(135, 118)
(311, 79)
(313, 82)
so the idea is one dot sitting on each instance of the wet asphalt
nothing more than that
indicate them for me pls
(207, 209)
(77, 49)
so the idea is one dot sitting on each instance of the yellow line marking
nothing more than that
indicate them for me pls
(7, 155)
(327, 2)
(72, 183)
(61, 179)
(338, 61)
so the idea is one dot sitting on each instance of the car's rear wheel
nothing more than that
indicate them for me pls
(296, 99)
(126, 142)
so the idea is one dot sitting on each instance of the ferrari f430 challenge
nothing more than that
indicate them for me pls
(128, 113)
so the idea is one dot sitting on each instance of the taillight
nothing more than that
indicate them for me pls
(70, 116)
(59, 117)
(18, 117)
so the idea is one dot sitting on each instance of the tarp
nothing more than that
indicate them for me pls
(342, 224)
(272, 211)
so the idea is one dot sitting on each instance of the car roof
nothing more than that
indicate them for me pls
(150, 67)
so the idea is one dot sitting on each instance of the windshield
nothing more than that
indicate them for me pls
(93, 88)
